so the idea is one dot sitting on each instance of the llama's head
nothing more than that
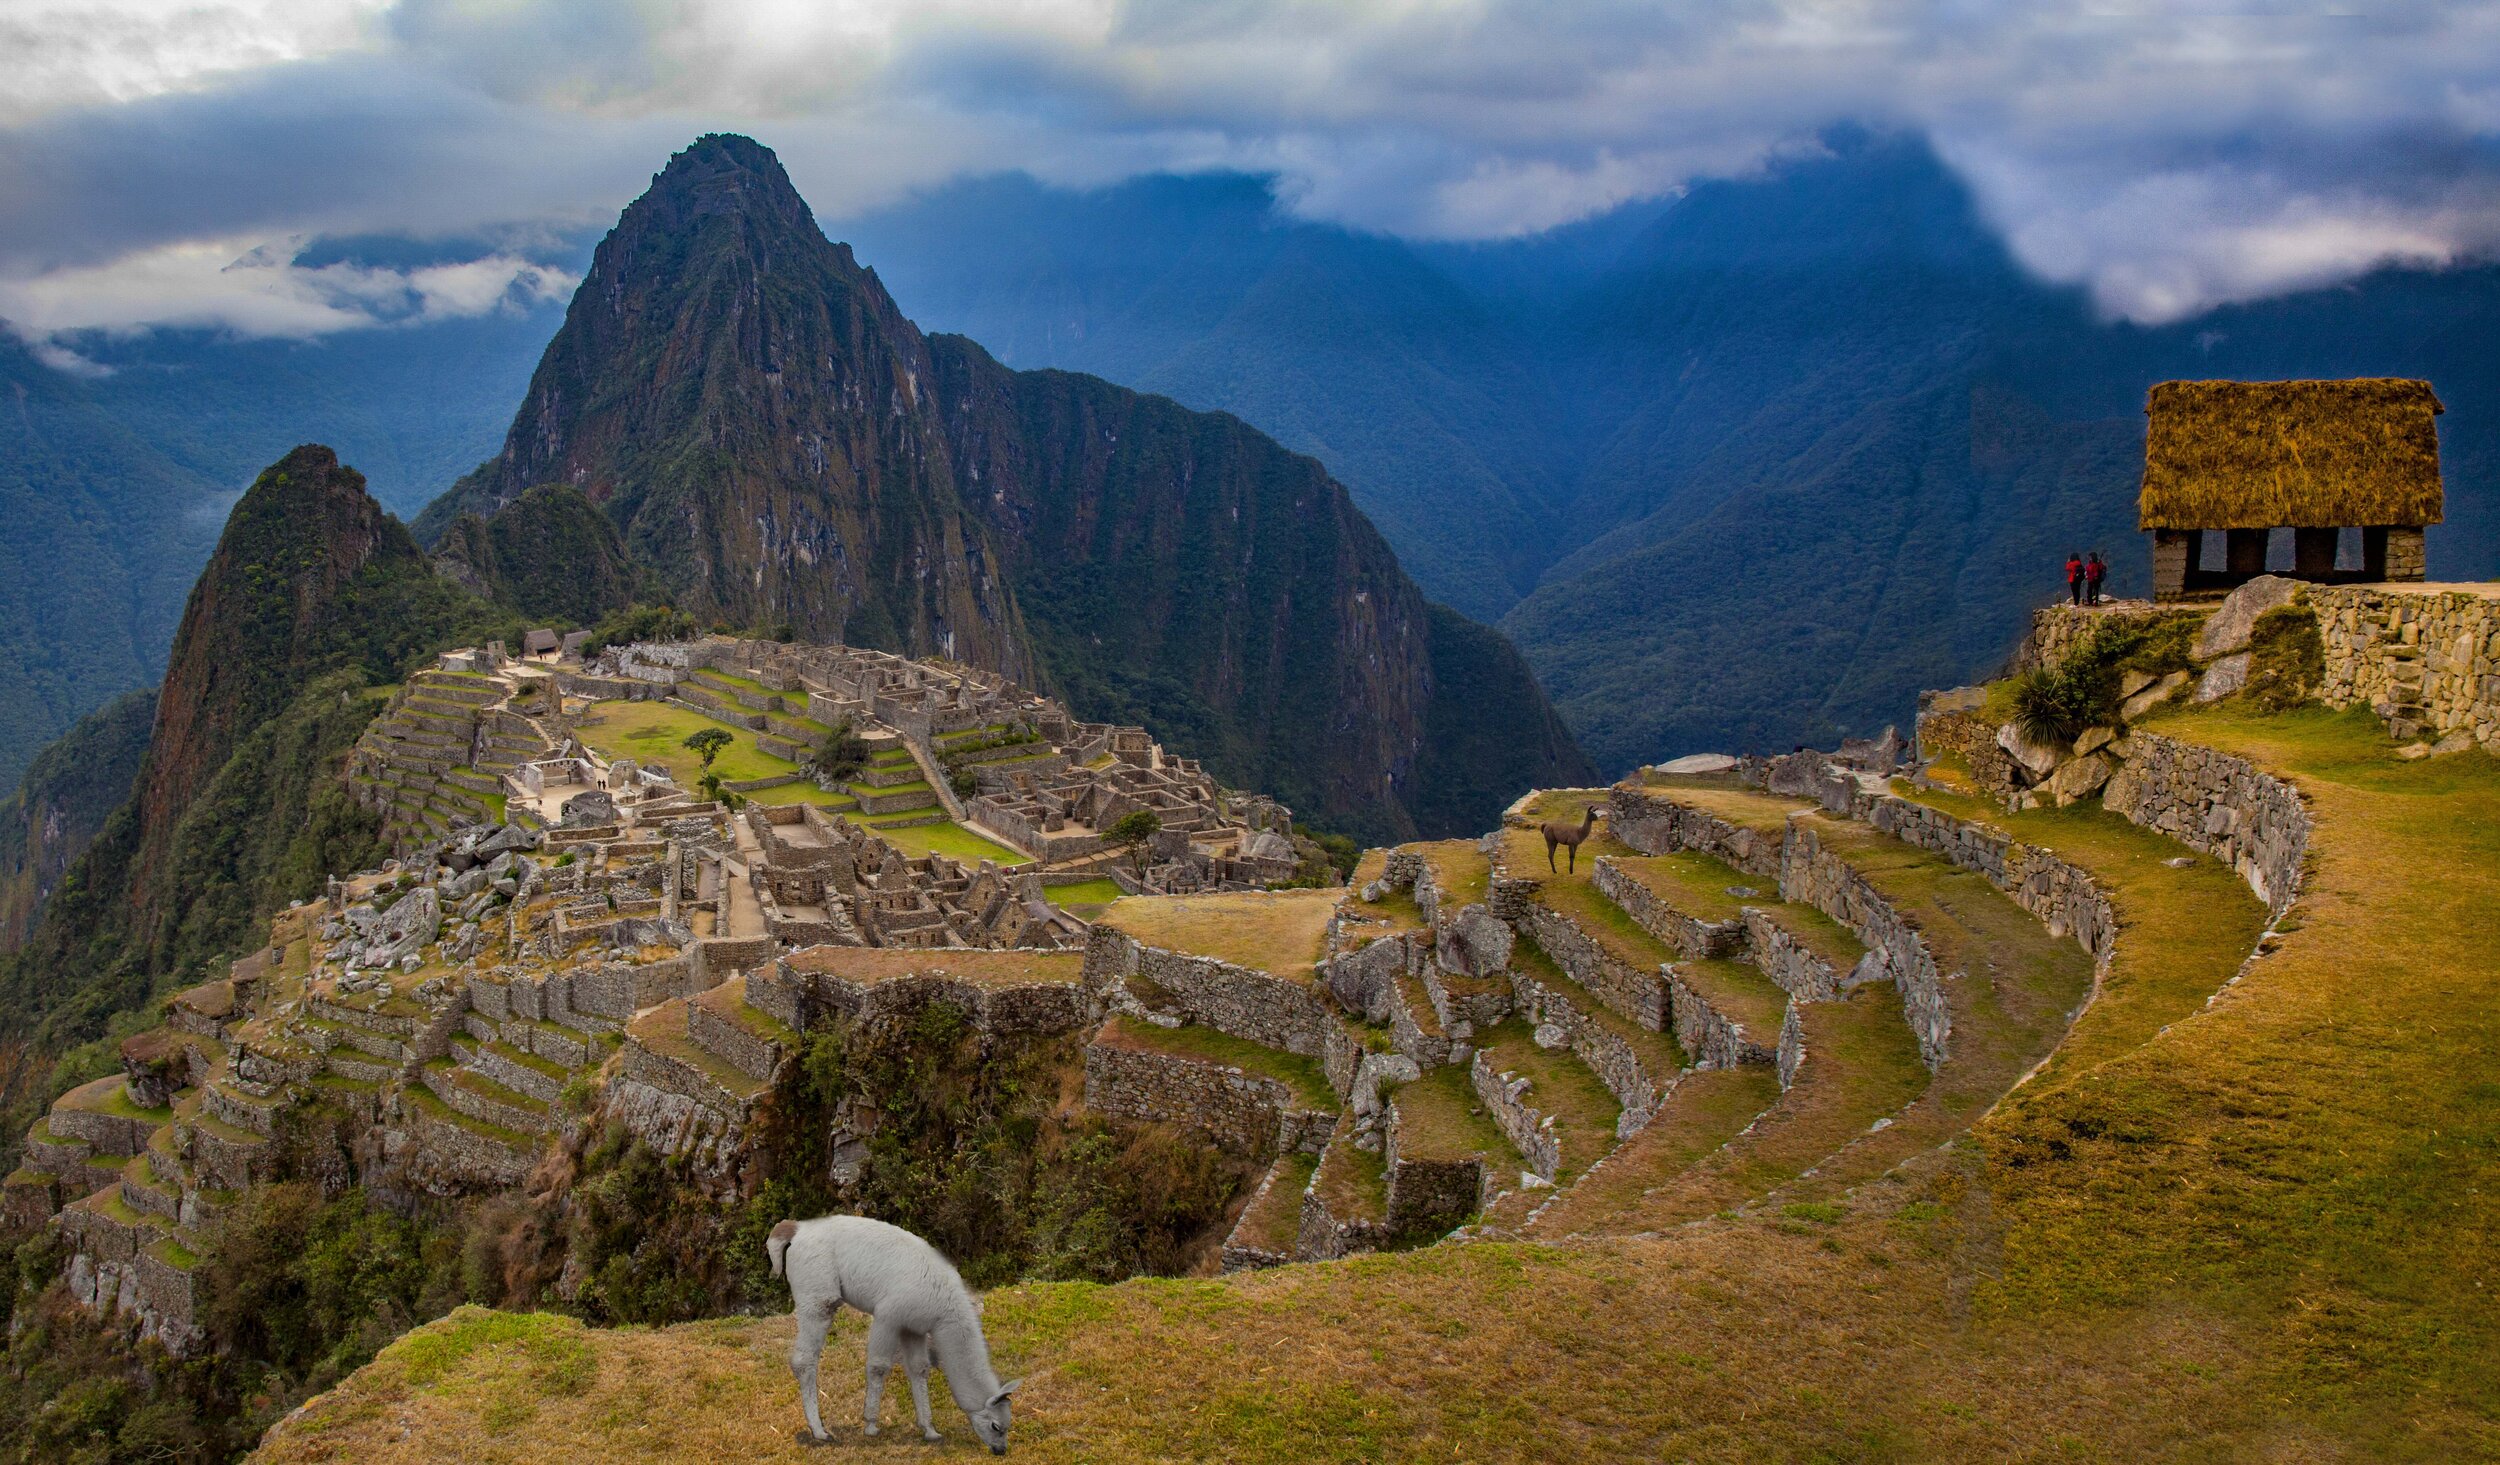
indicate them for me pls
(990, 1421)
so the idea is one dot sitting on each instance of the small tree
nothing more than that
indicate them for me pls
(842, 753)
(1133, 831)
(707, 744)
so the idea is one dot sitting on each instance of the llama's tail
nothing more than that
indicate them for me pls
(777, 1245)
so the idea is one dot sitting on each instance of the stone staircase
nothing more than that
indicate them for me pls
(434, 758)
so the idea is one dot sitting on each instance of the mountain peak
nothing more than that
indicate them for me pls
(722, 173)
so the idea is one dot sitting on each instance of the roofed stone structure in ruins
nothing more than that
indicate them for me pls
(2320, 460)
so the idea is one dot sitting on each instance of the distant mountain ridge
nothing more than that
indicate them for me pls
(777, 445)
(1691, 455)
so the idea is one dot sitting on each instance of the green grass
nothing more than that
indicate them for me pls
(1353, 1183)
(1440, 1118)
(1695, 884)
(949, 839)
(654, 734)
(1084, 894)
(1584, 1110)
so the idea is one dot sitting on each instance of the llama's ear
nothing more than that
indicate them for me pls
(1006, 1388)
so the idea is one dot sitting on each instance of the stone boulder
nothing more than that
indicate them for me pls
(1697, 763)
(587, 810)
(385, 938)
(1474, 943)
(2037, 759)
(2080, 778)
(2223, 678)
(2149, 693)
(2228, 628)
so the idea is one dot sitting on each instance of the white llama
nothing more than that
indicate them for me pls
(916, 1304)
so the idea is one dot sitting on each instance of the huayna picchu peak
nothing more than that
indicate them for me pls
(777, 446)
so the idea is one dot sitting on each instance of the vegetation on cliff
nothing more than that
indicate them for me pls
(314, 600)
(61, 804)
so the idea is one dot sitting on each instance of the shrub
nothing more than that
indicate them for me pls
(639, 623)
(842, 753)
(2053, 705)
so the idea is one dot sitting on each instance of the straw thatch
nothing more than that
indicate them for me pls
(2308, 454)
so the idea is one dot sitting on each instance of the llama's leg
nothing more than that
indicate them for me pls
(1574, 867)
(885, 1347)
(814, 1318)
(916, 1369)
(1549, 854)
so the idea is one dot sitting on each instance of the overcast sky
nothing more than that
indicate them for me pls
(161, 159)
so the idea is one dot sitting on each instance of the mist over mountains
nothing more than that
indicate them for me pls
(1741, 469)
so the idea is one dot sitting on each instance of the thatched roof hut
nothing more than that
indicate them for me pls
(2263, 455)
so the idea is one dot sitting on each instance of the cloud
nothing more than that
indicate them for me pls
(260, 292)
(2169, 157)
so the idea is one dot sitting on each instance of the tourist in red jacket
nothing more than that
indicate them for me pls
(2074, 579)
(2093, 573)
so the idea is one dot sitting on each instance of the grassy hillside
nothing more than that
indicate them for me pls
(2245, 1227)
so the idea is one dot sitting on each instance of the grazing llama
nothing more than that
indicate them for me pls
(917, 1308)
(1570, 836)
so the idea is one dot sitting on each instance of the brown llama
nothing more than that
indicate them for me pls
(1570, 836)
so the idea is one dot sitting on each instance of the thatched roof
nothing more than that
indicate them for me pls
(2312, 454)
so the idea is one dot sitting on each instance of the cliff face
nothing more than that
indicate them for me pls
(778, 445)
(753, 412)
(68, 792)
(303, 532)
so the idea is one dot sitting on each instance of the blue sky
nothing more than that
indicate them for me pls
(161, 160)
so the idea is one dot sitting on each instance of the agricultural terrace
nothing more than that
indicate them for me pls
(2244, 1213)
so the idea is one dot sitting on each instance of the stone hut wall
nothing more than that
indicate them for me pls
(2427, 663)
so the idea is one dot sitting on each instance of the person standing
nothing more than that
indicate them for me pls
(2074, 578)
(2093, 573)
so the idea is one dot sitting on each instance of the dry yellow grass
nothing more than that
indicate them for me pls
(1273, 931)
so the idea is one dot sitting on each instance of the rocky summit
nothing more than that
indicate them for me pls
(776, 445)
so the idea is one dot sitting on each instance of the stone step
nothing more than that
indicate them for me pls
(481, 1098)
(1446, 1155)
(1345, 1208)
(722, 1023)
(1268, 1231)
(658, 1053)
(223, 1102)
(1706, 1109)
(1638, 1066)
(486, 1154)
(542, 1079)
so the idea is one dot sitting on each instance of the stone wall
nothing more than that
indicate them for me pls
(1711, 1037)
(1242, 1112)
(1693, 938)
(2428, 663)
(1657, 825)
(1638, 995)
(1829, 884)
(2210, 800)
(1268, 1010)
(1795, 970)
(2064, 898)
(1635, 1085)
(1530, 1131)
(2057, 630)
